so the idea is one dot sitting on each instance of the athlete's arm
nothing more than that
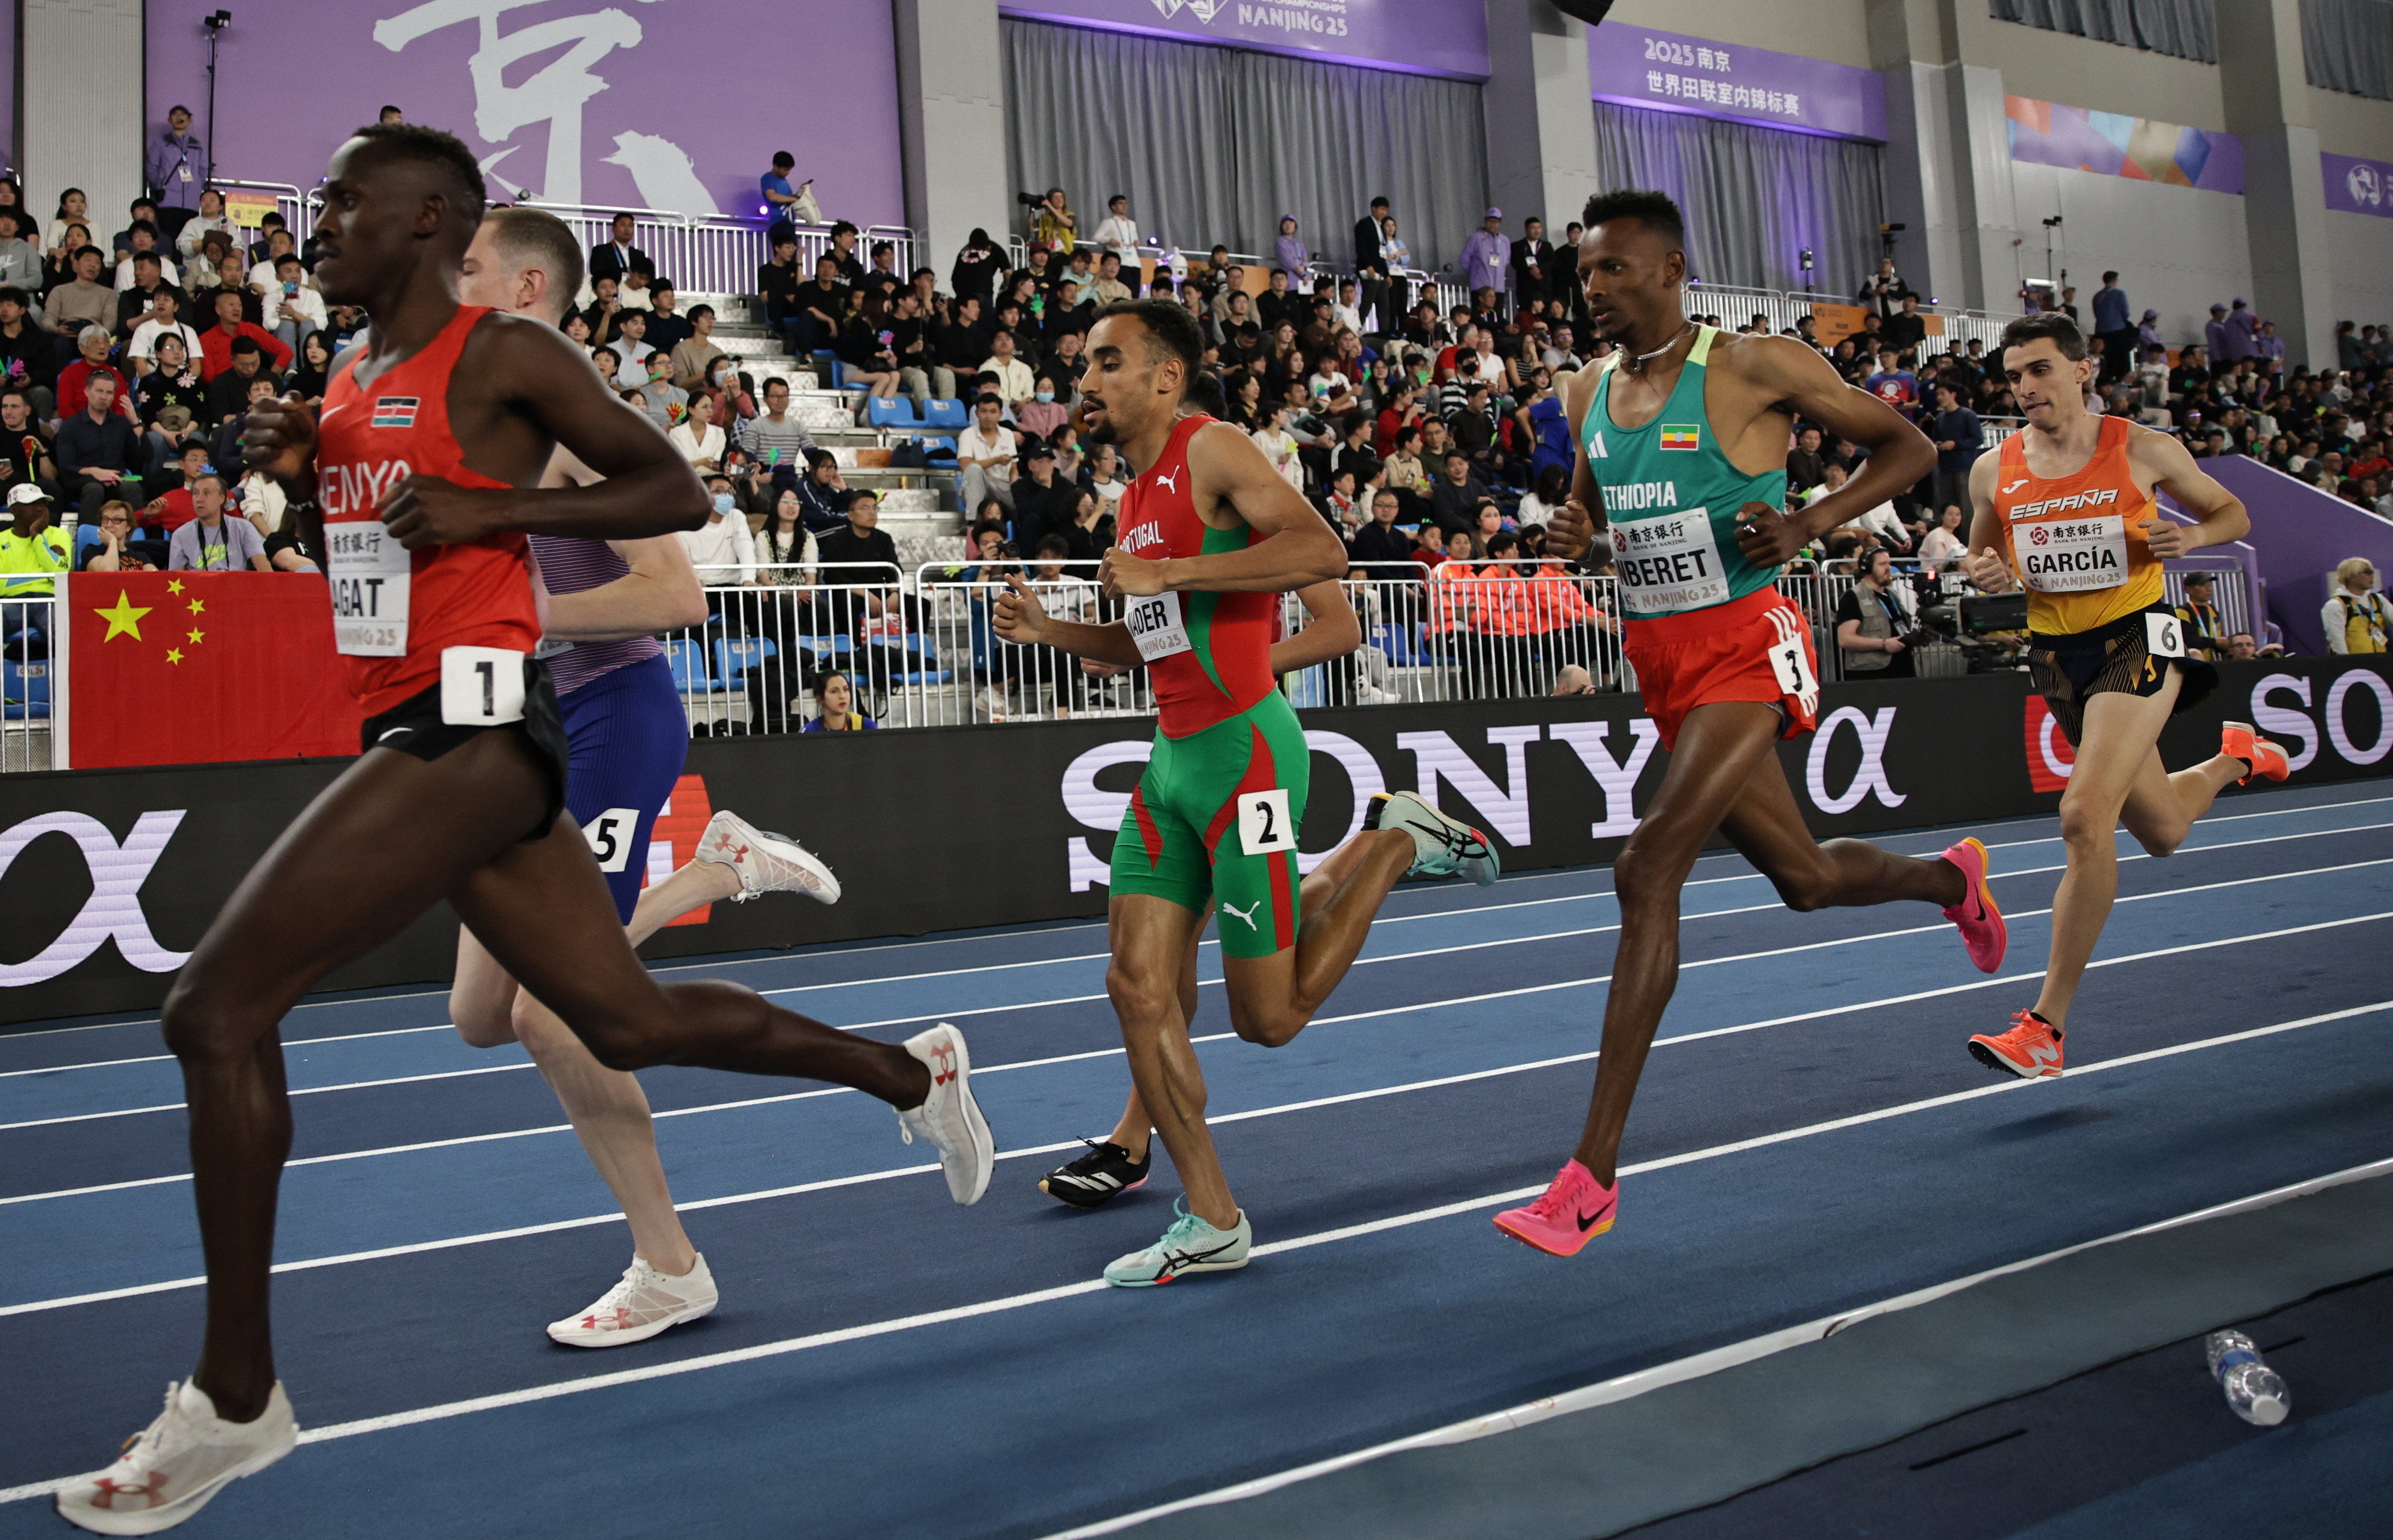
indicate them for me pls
(1571, 531)
(1987, 568)
(660, 593)
(537, 374)
(1020, 618)
(1792, 377)
(1299, 548)
(1333, 633)
(2220, 516)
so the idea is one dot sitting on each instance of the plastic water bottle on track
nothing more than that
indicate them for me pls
(2256, 1392)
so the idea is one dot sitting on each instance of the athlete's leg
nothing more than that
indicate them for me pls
(2118, 771)
(482, 996)
(377, 848)
(1273, 998)
(693, 885)
(1151, 940)
(1767, 829)
(1720, 747)
(1131, 1133)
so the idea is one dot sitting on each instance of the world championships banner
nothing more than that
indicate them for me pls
(1672, 72)
(108, 878)
(1447, 37)
(674, 105)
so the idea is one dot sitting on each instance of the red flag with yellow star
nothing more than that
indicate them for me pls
(185, 667)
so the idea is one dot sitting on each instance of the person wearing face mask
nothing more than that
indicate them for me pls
(1043, 414)
(722, 549)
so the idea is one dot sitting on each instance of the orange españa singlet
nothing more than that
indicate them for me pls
(2074, 539)
(394, 611)
(1210, 654)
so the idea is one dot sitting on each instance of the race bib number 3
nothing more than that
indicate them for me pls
(1791, 661)
(481, 686)
(1670, 563)
(2072, 555)
(2164, 635)
(1264, 827)
(1156, 625)
(610, 836)
(370, 574)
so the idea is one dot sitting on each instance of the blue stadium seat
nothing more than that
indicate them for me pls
(897, 411)
(27, 687)
(688, 662)
(944, 413)
(735, 655)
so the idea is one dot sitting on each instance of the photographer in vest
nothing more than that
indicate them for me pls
(1872, 623)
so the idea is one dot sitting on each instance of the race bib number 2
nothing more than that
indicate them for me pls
(1264, 827)
(1157, 626)
(481, 686)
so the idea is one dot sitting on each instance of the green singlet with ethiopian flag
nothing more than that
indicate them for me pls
(1671, 498)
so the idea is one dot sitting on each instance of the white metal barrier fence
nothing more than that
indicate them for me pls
(715, 255)
(28, 681)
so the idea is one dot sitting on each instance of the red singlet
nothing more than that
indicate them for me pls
(1219, 659)
(394, 611)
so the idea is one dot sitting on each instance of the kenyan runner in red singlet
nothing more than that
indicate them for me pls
(456, 795)
(1209, 535)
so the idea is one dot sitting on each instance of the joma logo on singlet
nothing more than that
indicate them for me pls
(344, 489)
(1641, 494)
(2062, 504)
(1140, 536)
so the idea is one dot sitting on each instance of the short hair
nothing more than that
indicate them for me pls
(988, 398)
(1171, 332)
(2350, 568)
(95, 329)
(698, 310)
(245, 343)
(609, 351)
(2050, 325)
(535, 238)
(142, 226)
(446, 152)
(772, 380)
(844, 228)
(11, 294)
(783, 158)
(1659, 212)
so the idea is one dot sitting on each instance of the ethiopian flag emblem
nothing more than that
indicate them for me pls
(1681, 436)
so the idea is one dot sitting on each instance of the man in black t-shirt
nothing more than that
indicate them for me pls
(815, 309)
(777, 283)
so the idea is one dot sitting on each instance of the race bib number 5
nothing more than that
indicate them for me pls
(481, 686)
(1155, 626)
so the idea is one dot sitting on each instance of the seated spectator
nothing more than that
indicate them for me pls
(31, 544)
(1946, 544)
(1043, 414)
(164, 318)
(1042, 501)
(74, 380)
(668, 328)
(722, 549)
(665, 402)
(1110, 289)
(112, 544)
(2355, 617)
(85, 301)
(814, 321)
(1552, 489)
(772, 439)
(1454, 501)
(170, 505)
(212, 543)
(1015, 382)
(632, 350)
(21, 260)
(144, 237)
(25, 441)
(217, 344)
(98, 449)
(1380, 539)
(821, 493)
(985, 454)
(228, 388)
(210, 220)
(728, 388)
(1105, 476)
(293, 310)
(1571, 679)
(834, 707)
(1279, 446)
(696, 349)
(224, 445)
(864, 347)
(699, 439)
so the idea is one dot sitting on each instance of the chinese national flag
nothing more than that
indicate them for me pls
(184, 668)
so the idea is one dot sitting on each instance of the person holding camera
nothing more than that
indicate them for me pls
(1872, 624)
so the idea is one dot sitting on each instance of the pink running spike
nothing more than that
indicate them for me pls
(1573, 1210)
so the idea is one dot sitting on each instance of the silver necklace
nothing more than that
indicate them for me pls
(1637, 365)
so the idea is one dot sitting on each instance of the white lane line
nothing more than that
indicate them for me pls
(1046, 1296)
(1533, 989)
(1695, 1366)
(890, 1174)
(1387, 921)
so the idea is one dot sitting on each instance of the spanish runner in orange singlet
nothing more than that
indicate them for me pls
(2066, 510)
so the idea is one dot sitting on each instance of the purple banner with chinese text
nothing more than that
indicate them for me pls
(2356, 186)
(1641, 67)
(574, 101)
(1445, 38)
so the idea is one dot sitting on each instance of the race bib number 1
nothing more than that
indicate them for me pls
(1791, 661)
(2164, 635)
(1156, 625)
(1264, 827)
(481, 686)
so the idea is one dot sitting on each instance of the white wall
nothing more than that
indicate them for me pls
(1834, 29)
(2362, 248)
(2177, 250)
(82, 110)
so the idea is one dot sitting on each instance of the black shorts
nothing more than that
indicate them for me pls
(413, 726)
(2069, 669)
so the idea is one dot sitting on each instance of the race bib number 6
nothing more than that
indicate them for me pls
(2164, 635)
(481, 686)
(1155, 626)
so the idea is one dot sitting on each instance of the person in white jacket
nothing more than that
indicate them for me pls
(2354, 616)
(1118, 233)
(699, 439)
(722, 549)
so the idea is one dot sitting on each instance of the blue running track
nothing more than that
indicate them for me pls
(1811, 1135)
